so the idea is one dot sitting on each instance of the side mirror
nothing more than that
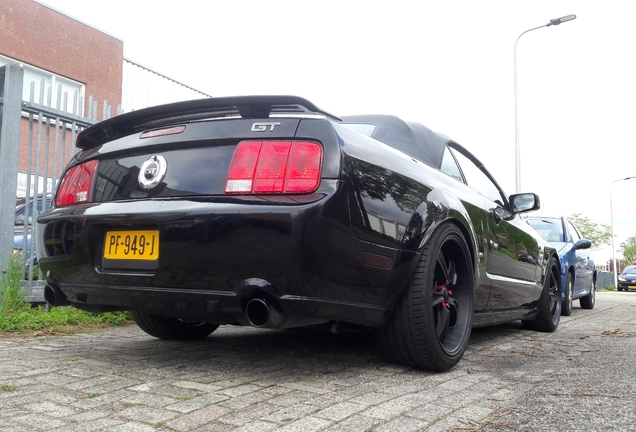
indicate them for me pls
(524, 202)
(583, 244)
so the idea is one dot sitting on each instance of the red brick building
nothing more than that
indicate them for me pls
(71, 59)
(75, 61)
(69, 50)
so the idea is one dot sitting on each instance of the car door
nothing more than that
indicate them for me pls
(478, 210)
(583, 264)
(513, 252)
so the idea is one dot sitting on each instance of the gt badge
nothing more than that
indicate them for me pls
(152, 172)
(262, 127)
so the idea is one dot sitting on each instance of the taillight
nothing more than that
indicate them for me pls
(76, 185)
(267, 167)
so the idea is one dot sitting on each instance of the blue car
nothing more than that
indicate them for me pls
(25, 214)
(578, 273)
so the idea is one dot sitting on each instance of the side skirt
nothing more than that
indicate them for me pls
(483, 319)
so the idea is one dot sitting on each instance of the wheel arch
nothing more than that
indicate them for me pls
(441, 206)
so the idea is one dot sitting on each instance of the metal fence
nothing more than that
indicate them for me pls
(604, 279)
(11, 77)
(50, 128)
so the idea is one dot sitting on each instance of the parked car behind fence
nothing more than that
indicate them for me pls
(26, 211)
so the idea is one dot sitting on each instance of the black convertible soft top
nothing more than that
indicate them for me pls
(411, 138)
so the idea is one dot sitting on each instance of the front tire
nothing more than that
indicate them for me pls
(431, 322)
(549, 306)
(172, 328)
(589, 300)
(566, 307)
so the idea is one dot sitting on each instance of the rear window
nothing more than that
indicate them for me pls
(363, 128)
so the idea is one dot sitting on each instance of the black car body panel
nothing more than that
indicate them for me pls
(344, 252)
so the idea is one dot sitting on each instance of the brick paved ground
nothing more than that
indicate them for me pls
(243, 379)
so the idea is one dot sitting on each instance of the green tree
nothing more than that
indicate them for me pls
(599, 234)
(628, 249)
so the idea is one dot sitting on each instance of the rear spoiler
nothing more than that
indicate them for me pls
(199, 109)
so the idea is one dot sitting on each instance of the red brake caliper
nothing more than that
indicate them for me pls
(449, 292)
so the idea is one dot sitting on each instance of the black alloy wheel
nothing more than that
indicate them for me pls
(549, 305)
(431, 322)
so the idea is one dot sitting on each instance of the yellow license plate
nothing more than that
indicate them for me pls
(132, 245)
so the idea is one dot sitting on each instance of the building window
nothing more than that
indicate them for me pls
(65, 94)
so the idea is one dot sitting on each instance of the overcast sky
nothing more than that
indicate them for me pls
(447, 64)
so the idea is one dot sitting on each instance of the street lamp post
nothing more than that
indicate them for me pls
(555, 21)
(612, 219)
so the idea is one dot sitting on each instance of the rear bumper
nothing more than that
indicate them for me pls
(216, 256)
(221, 307)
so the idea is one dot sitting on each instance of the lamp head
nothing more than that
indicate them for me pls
(557, 21)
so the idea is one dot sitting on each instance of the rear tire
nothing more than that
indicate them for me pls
(431, 321)
(589, 300)
(172, 328)
(566, 307)
(549, 306)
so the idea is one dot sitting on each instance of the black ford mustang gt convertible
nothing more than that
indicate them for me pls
(269, 212)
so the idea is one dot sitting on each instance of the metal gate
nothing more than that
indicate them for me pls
(43, 132)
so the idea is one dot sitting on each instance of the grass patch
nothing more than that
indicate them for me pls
(66, 320)
(6, 387)
(11, 296)
(610, 288)
(17, 316)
